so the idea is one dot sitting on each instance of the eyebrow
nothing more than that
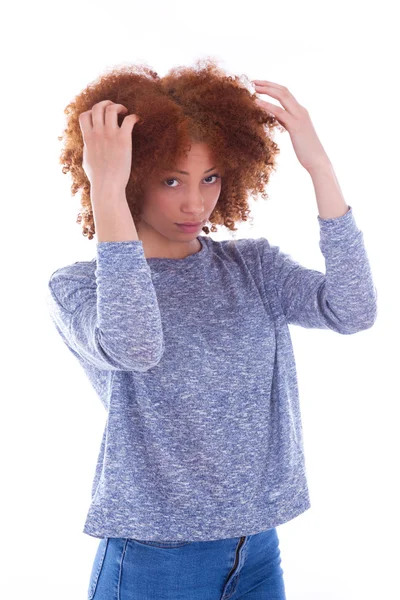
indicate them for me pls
(186, 173)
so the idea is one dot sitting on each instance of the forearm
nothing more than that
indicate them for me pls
(112, 218)
(330, 200)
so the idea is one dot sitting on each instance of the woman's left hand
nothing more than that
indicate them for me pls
(296, 120)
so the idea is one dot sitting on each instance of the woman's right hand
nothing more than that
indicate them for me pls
(107, 148)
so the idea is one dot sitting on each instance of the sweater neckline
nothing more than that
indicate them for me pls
(160, 263)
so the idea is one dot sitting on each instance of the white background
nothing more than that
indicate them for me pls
(338, 59)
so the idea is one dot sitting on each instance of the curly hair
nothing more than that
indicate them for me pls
(187, 105)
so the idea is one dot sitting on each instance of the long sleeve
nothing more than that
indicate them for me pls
(107, 312)
(344, 299)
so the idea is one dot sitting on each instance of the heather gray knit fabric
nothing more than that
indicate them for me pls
(193, 361)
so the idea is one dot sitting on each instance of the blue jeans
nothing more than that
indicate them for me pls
(246, 567)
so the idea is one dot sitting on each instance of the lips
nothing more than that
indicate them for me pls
(190, 224)
(189, 228)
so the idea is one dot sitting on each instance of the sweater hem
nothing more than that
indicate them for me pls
(272, 516)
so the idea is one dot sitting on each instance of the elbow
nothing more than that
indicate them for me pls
(369, 316)
(155, 358)
(158, 357)
(371, 320)
(366, 322)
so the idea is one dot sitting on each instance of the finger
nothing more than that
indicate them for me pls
(129, 122)
(111, 113)
(272, 108)
(265, 82)
(282, 94)
(98, 113)
(85, 122)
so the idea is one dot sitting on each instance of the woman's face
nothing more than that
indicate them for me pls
(179, 197)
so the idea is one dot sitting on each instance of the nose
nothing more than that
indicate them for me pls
(194, 206)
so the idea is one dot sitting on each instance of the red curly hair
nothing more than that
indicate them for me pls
(189, 104)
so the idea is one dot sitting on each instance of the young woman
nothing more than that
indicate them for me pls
(185, 339)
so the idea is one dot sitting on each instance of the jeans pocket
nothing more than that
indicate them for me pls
(97, 566)
(163, 544)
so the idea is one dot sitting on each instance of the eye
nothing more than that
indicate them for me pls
(208, 177)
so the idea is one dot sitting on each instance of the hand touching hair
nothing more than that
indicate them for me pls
(188, 104)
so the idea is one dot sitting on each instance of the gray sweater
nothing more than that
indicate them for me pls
(193, 361)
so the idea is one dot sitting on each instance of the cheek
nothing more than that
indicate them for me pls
(156, 206)
(217, 190)
(162, 204)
